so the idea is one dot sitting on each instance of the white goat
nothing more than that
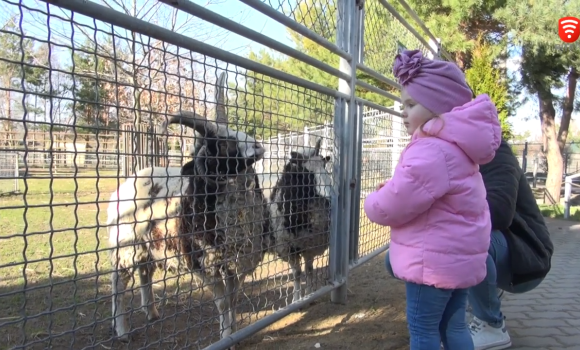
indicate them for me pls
(208, 217)
(300, 212)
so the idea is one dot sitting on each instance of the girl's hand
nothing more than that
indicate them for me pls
(380, 185)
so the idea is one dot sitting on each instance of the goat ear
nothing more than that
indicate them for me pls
(188, 168)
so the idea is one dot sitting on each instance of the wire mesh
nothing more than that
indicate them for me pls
(380, 24)
(320, 16)
(384, 137)
(88, 111)
(83, 108)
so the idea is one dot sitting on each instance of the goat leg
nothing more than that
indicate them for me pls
(309, 262)
(232, 288)
(223, 304)
(146, 271)
(119, 281)
(294, 261)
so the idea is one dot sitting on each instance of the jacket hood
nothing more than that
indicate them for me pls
(474, 127)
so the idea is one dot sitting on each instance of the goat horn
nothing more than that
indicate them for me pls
(194, 121)
(220, 110)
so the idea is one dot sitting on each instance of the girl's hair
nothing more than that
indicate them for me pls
(436, 117)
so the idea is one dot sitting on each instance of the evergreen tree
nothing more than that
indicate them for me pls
(485, 78)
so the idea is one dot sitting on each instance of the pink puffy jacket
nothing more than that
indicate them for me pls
(436, 202)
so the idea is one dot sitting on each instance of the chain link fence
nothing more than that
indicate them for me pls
(162, 192)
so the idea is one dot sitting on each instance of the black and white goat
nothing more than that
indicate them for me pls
(208, 217)
(300, 212)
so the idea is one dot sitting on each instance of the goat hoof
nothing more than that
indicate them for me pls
(123, 338)
(154, 316)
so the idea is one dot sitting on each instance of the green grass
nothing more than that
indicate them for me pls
(50, 235)
(557, 211)
(55, 274)
(52, 219)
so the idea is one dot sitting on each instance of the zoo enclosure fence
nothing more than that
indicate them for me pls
(85, 87)
(532, 156)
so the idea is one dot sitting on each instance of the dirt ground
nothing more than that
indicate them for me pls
(373, 318)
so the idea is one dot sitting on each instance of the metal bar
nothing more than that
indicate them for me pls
(346, 37)
(357, 128)
(297, 27)
(334, 249)
(568, 193)
(414, 15)
(361, 33)
(373, 73)
(277, 315)
(16, 173)
(369, 257)
(108, 15)
(378, 107)
(377, 90)
(356, 191)
(394, 12)
(212, 17)
(421, 24)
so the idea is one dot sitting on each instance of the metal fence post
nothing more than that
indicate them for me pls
(346, 38)
(525, 157)
(16, 173)
(356, 186)
(357, 134)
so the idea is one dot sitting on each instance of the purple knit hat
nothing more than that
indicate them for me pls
(439, 86)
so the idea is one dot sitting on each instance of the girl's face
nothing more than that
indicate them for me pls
(414, 114)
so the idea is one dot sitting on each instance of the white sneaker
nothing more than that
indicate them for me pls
(486, 337)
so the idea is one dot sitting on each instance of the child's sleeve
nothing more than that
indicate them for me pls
(421, 178)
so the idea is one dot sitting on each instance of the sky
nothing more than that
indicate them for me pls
(35, 25)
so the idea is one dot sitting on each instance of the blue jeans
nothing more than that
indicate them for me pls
(483, 297)
(436, 315)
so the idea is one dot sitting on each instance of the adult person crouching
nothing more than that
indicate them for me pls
(520, 251)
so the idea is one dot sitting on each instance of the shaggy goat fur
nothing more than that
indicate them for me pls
(208, 217)
(300, 213)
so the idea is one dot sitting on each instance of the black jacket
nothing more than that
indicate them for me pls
(515, 213)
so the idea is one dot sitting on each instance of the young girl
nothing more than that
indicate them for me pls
(436, 202)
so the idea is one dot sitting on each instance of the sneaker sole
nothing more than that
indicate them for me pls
(497, 346)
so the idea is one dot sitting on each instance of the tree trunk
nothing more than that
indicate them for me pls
(461, 60)
(568, 108)
(553, 154)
